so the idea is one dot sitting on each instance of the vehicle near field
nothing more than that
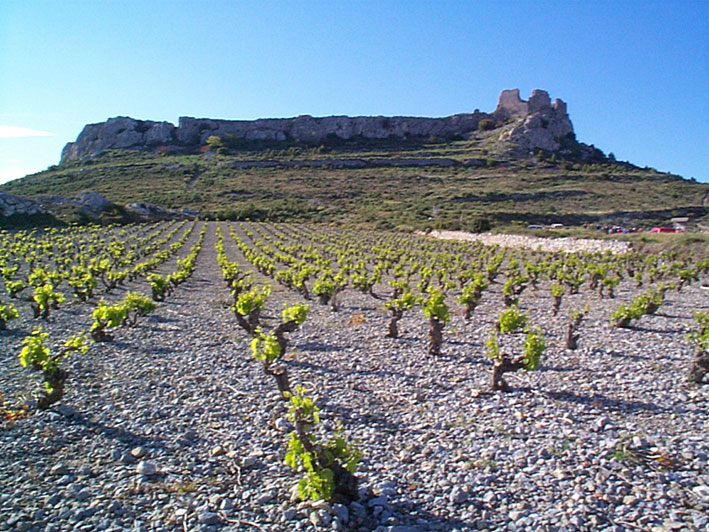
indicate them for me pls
(666, 230)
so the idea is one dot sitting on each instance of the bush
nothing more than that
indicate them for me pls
(479, 225)
(487, 124)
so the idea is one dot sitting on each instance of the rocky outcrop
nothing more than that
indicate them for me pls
(149, 211)
(117, 133)
(11, 205)
(91, 204)
(537, 123)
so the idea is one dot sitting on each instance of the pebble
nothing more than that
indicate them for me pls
(146, 468)
(208, 518)
(138, 452)
(570, 444)
(59, 469)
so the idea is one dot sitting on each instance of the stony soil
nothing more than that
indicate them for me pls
(174, 426)
(567, 244)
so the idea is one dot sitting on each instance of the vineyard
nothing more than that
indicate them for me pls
(188, 375)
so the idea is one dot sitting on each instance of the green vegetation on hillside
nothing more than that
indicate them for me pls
(458, 185)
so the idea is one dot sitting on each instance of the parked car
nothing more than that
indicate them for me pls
(664, 230)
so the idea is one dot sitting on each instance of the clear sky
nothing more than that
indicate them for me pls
(633, 73)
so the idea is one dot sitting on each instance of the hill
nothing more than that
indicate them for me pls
(519, 164)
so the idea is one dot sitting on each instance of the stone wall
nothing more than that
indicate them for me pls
(538, 119)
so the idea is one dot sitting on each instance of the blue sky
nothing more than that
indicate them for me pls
(634, 73)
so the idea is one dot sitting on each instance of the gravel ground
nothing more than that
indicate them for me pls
(173, 426)
(568, 244)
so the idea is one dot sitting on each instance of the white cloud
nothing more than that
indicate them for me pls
(13, 132)
(9, 173)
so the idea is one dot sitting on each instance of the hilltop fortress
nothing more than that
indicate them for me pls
(533, 124)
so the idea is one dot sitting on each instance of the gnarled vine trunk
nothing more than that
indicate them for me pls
(503, 365)
(435, 335)
(572, 339)
(699, 368)
(280, 373)
(346, 483)
(396, 315)
(55, 379)
(250, 322)
(280, 332)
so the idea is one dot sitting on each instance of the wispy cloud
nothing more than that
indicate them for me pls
(14, 132)
(15, 172)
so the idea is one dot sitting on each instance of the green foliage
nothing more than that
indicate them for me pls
(534, 347)
(14, 287)
(35, 354)
(645, 303)
(624, 314)
(493, 346)
(214, 143)
(511, 320)
(468, 295)
(83, 282)
(699, 334)
(136, 305)
(316, 459)
(377, 198)
(159, 285)
(479, 224)
(557, 290)
(434, 306)
(297, 313)
(264, 347)
(45, 297)
(252, 300)
(38, 277)
(486, 124)
(610, 282)
(107, 317)
(405, 301)
(7, 313)
(576, 315)
(8, 272)
(324, 287)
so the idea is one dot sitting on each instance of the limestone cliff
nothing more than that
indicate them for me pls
(536, 123)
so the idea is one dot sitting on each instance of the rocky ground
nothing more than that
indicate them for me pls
(174, 426)
(567, 244)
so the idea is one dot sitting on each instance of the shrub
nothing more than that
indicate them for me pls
(699, 338)
(512, 321)
(14, 287)
(7, 313)
(45, 297)
(479, 224)
(160, 286)
(107, 317)
(486, 124)
(36, 355)
(248, 307)
(557, 292)
(438, 314)
(136, 306)
(472, 293)
(397, 306)
(328, 466)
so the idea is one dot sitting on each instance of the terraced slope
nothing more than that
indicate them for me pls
(438, 185)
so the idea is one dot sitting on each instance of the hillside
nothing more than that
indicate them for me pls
(520, 164)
